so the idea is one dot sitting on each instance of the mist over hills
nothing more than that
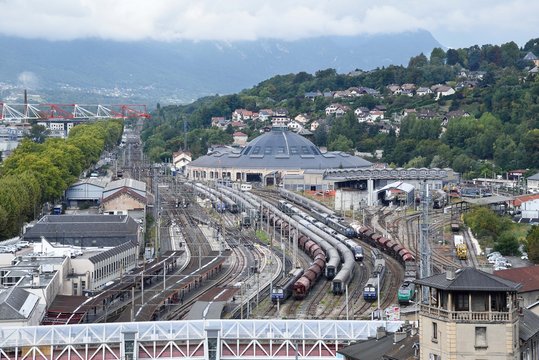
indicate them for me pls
(183, 71)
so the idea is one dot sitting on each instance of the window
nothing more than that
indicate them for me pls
(83, 284)
(462, 303)
(481, 337)
(434, 332)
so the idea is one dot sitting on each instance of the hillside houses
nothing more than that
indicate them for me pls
(337, 110)
(242, 115)
(339, 102)
(442, 90)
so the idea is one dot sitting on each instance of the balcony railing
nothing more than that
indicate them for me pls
(468, 316)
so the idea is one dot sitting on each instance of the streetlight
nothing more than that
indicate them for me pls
(346, 291)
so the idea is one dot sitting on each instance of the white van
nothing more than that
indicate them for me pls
(246, 187)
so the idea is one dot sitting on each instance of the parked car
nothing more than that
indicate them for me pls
(8, 249)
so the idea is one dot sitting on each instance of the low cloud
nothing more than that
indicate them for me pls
(456, 22)
(28, 80)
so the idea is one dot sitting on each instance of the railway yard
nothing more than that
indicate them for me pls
(224, 252)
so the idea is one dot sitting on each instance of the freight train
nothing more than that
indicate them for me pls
(346, 272)
(375, 282)
(320, 212)
(326, 259)
(220, 202)
(283, 290)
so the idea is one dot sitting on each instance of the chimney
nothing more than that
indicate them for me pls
(450, 273)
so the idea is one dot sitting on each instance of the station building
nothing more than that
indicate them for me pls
(284, 158)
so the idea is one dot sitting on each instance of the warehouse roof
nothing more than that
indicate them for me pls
(84, 230)
(126, 182)
(280, 149)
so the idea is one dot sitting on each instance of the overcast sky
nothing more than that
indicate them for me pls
(454, 23)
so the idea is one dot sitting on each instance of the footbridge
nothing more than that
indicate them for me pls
(199, 339)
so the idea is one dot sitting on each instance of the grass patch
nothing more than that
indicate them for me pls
(263, 236)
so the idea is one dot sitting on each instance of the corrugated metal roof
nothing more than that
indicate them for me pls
(126, 182)
(400, 186)
(469, 279)
(92, 181)
(528, 325)
(111, 252)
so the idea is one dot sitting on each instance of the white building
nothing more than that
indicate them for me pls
(180, 159)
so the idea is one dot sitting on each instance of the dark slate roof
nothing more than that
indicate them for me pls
(16, 303)
(279, 149)
(84, 230)
(111, 252)
(534, 177)
(469, 279)
(528, 324)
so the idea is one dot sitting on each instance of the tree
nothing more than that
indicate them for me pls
(341, 143)
(417, 162)
(38, 134)
(452, 57)
(532, 240)
(418, 61)
(320, 136)
(507, 244)
(437, 56)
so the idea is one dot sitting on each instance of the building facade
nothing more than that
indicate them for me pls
(470, 314)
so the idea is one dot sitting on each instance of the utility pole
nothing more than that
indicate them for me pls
(425, 265)
(184, 134)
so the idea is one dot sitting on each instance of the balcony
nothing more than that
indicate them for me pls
(468, 316)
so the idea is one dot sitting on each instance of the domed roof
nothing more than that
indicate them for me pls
(280, 149)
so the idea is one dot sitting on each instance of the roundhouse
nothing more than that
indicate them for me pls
(272, 158)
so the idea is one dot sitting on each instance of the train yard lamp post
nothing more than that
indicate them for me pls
(346, 291)
(378, 291)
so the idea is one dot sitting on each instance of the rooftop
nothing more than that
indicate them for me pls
(469, 279)
(527, 276)
(84, 230)
(126, 182)
(279, 149)
(16, 303)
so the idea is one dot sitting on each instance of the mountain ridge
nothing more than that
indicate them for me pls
(194, 69)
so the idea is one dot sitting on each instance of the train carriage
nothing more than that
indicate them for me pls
(284, 290)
